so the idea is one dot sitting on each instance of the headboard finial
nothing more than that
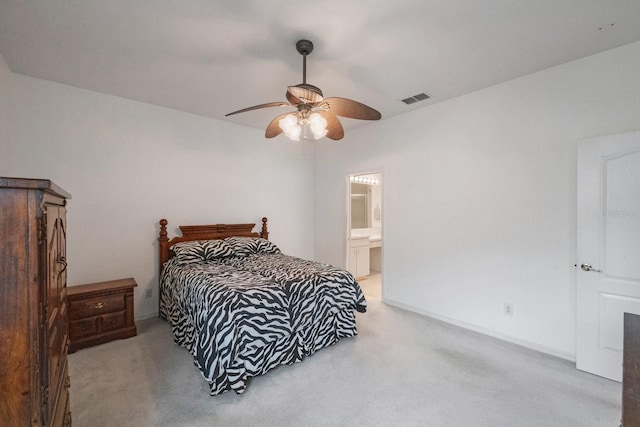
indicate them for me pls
(264, 233)
(163, 228)
(163, 245)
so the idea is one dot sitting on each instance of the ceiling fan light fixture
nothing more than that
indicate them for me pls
(293, 126)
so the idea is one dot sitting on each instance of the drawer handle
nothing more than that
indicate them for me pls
(98, 305)
(62, 260)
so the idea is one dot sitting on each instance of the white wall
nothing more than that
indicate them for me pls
(5, 89)
(129, 164)
(480, 196)
(5, 75)
(376, 202)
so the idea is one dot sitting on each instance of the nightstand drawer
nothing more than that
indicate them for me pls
(83, 327)
(112, 321)
(96, 306)
(100, 312)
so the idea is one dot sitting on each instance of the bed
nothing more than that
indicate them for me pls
(242, 307)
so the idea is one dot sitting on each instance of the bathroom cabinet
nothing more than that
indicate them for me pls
(359, 257)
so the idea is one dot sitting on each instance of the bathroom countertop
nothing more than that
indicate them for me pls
(373, 234)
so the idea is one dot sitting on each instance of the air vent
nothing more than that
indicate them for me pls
(416, 98)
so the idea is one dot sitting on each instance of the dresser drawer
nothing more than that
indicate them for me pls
(96, 306)
(112, 321)
(83, 327)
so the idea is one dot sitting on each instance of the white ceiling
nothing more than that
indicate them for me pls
(212, 57)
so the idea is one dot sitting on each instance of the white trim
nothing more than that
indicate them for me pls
(383, 179)
(504, 337)
(147, 316)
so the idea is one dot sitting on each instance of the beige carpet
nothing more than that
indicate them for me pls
(401, 370)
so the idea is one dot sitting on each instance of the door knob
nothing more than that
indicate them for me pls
(587, 267)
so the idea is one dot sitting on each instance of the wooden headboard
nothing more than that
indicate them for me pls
(205, 232)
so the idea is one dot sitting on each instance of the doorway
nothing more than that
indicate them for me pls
(608, 249)
(364, 232)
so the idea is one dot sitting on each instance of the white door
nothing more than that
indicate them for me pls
(608, 249)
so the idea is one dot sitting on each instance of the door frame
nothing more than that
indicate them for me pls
(347, 231)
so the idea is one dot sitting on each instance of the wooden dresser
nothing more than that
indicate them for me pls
(34, 379)
(100, 312)
(631, 371)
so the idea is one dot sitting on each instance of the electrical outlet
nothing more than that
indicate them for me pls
(148, 293)
(508, 309)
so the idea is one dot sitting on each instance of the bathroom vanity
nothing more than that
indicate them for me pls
(365, 248)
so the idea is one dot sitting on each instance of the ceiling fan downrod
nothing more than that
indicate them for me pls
(304, 47)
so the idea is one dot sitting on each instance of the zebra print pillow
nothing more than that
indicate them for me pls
(243, 246)
(264, 246)
(201, 250)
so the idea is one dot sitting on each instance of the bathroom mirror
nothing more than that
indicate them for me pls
(360, 205)
(359, 210)
(366, 201)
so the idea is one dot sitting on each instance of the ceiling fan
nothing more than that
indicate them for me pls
(314, 112)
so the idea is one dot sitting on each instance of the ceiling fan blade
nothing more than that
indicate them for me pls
(257, 107)
(274, 127)
(335, 130)
(352, 109)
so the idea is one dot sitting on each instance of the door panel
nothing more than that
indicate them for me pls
(56, 326)
(622, 211)
(608, 240)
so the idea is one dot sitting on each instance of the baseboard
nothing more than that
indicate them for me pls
(147, 316)
(504, 337)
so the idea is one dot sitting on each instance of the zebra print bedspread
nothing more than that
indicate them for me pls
(242, 316)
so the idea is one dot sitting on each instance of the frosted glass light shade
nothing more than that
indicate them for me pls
(290, 127)
(318, 125)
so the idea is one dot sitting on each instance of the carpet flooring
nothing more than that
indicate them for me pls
(402, 369)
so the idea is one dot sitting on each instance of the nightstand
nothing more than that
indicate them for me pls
(100, 312)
